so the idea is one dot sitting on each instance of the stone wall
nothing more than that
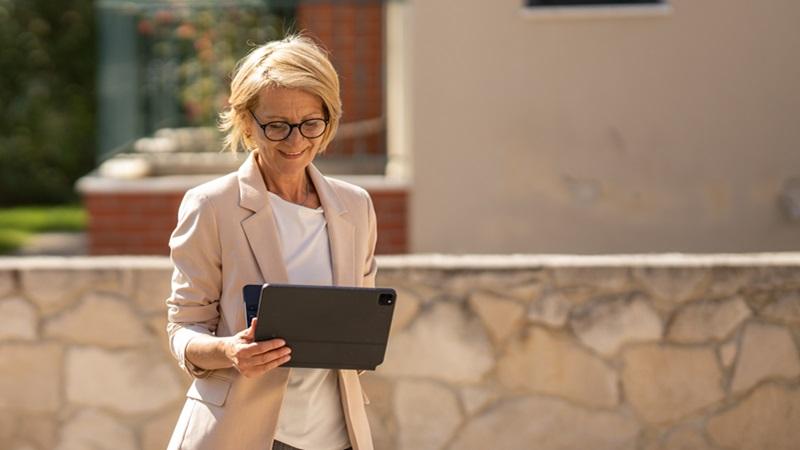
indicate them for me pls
(646, 353)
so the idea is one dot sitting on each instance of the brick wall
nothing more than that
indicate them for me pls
(131, 223)
(122, 223)
(352, 32)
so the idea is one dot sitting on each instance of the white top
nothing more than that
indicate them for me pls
(311, 416)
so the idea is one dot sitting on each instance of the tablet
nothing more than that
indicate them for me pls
(327, 327)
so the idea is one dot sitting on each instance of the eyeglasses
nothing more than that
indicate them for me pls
(280, 130)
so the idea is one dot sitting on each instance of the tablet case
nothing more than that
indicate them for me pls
(328, 327)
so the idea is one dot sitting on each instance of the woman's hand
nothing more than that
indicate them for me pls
(252, 358)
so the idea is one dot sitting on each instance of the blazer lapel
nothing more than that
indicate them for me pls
(260, 228)
(341, 231)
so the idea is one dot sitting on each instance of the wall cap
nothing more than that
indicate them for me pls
(94, 184)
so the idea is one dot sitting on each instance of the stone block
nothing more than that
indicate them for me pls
(380, 392)
(444, 343)
(767, 351)
(423, 292)
(772, 278)
(41, 429)
(767, 419)
(152, 287)
(671, 286)
(18, 320)
(474, 398)
(8, 425)
(54, 290)
(727, 281)
(30, 377)
(427, 414)
(705, 321)
(384, 431)
(577, 295)
(527, 292)
(156, 432)
(7, 283)
(606, 325)
(405, 310)
(462, 284)
(92, 429)
(727, 353)
(551, 309)
(100, 320)
(157, 326)
(549, 363)
(664, 383)
(500, 316)
(141, 381)
(546, 424)
(602, 280)
(784, 309)
(21, 445)
(685, 439)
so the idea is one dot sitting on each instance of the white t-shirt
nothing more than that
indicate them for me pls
(311, 416)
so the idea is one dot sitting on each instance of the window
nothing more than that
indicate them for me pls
(591, 9)
(546, 3)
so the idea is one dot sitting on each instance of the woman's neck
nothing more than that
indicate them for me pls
(293, 187)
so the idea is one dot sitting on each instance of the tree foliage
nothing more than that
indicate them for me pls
(47, 98)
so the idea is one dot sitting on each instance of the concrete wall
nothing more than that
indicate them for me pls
(603, 133)
(608, 353)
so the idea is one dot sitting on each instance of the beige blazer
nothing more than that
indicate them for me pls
(226, 237)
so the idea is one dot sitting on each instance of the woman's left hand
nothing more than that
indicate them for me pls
(253, 359)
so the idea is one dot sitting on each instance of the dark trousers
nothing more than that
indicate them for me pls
(278, 445)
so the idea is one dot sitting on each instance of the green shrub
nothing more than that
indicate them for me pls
(47, 99)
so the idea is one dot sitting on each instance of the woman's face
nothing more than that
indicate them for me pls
(292, 155)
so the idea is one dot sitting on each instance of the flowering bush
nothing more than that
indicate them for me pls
(190, 52)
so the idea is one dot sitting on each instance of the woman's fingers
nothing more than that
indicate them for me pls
(253, 349)
(265, 362)
(256, 358)
(251, 330)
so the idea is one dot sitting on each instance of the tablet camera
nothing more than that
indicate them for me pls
(386, 299)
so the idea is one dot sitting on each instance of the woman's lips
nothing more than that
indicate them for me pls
(291, 155)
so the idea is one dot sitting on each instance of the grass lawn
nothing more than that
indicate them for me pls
(19, 223)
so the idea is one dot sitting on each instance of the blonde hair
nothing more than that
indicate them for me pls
(294, 62)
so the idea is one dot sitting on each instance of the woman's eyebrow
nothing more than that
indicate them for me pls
(285, 119)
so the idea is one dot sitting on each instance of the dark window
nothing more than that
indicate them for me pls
(591, 2)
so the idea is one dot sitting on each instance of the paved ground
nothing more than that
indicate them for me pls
(61, 244)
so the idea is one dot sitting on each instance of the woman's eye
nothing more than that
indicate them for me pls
(312, 125)
(276, 126)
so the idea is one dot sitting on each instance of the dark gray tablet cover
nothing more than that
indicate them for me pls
(328, 327)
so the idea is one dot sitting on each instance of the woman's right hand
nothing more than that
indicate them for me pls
(252, 358)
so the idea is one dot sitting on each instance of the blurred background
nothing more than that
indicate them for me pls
(527, 126)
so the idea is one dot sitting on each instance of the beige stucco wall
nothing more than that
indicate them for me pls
(663, 132)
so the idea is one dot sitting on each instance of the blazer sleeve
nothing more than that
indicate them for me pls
(195, 251)
(370, 266)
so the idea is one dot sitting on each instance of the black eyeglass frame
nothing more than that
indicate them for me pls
(292, 126)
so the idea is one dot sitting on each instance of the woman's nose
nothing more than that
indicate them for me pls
(294, 136)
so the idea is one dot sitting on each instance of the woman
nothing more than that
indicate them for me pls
(276, 220)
